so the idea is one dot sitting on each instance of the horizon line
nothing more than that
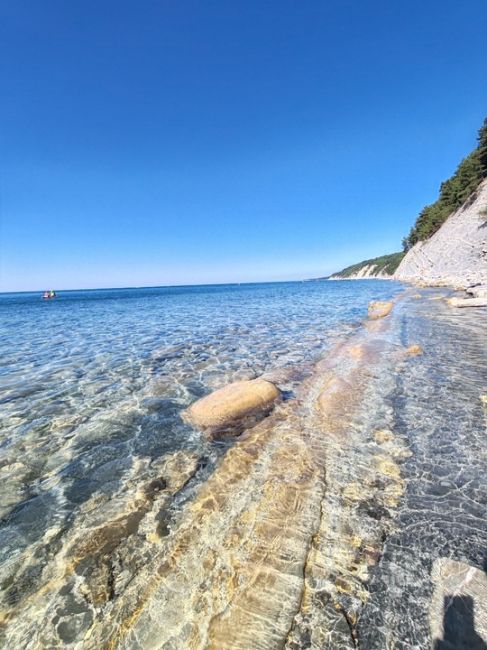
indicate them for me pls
(168, 286)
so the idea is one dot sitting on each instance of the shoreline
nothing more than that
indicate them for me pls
(265, 544)
(293, 565)
(282, 545)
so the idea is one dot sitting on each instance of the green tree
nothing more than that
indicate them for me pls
(453, 193)
(483, 148)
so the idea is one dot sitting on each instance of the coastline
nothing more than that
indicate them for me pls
(287, 533)
(287, 543)
(256, 533)
(203, 446)
(336, 278)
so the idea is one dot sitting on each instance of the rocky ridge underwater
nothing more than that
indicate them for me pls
(346, 518)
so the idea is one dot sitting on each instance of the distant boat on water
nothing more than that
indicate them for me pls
(49, 295)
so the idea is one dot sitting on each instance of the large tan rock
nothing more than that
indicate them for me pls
(233, 404)
(379, 309)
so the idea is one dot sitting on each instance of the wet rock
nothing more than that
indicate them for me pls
(373, 509)
(18, 587)
(97, 586)
(467, 302)
(11, 468)
(414, 350)
(458, 612)
(387, 467)
(335, 401)
(177, 469)
(379, 309)
(155, 486)
(285, 376)
(232, 404)
(104, 539)
(479, 291)
(383, 435)
(169, 352)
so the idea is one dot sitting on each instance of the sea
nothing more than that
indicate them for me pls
(93, 385)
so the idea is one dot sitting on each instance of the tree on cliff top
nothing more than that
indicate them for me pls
(483, 148)
(453, 192)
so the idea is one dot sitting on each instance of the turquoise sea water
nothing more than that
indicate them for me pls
(98, 468)
(94, 366)
(92, 385)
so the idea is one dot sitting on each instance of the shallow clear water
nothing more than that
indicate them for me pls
(92, 386)
(440, 413)
(102, 481)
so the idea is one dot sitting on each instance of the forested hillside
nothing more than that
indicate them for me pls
(453, 192)
(385, 265)
(461, 188)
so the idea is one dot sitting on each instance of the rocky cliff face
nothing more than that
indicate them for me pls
(456, 255)
(382, 267)
(367, 271)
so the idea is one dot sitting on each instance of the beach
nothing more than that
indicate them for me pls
(326, 524)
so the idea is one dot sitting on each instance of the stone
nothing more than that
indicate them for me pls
(379, 309)
(414, 350)
(477, 291)
(233, 404)
(383, 435)
(468, 302)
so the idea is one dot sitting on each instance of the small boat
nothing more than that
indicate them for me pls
(49, 295)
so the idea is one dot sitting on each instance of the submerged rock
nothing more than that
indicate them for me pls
(414, 350)
(379, 309)
(383, 435)
(233, 404)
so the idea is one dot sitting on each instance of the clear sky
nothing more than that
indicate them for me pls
(172, 142)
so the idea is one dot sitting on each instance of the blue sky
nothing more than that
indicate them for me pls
(157, 142)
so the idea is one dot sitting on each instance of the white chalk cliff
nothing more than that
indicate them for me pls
(366, 272)
(456, 255)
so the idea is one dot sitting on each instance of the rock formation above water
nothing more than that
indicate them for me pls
(456, 255)
(233, 405)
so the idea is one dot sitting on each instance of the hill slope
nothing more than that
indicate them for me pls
(377, 267)
(454, 192)
(456, 254)
(447, 244)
